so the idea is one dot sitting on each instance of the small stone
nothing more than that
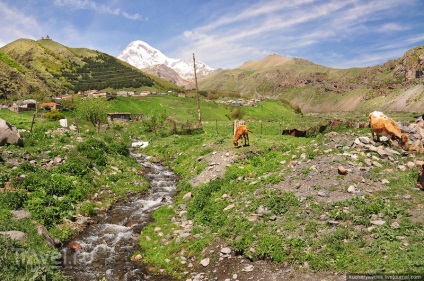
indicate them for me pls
(248, 268)
(226, 251)
(401, 167)
(382, 152)
(410, 164)
(365, 140)
(378, 222)
(322, 194)
(187, 196)
(383, 139)
(342, 170)
(395, 225)
(385, 181)
(205, 262)
(262, 210)
(229, 207)
(333, 223)
(368, 162)
(351, 189)
(137, 257)
(377, 164)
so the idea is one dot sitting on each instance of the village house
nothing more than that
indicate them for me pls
(25, 105)
(51, 106)
(118, 117)
(60, 98)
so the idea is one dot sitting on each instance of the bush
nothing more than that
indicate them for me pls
(54, 115)
(120, 149)
(12, 200)
(87, 209)
(75, 165)
(94, 150)
(237, 113)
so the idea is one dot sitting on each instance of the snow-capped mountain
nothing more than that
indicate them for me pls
(142, 55)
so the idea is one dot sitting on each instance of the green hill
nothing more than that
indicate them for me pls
(397, 85)
(44, 68)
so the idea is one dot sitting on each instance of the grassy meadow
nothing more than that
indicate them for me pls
(294, 235)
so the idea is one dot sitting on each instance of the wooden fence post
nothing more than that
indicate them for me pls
(216, 125)
(32, 123)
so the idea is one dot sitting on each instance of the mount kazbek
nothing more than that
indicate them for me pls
(178, 71)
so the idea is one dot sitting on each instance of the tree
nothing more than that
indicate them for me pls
(93, 110)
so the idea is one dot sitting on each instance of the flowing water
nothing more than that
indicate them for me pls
(107, 246)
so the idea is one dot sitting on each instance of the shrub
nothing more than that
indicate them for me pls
(54, 115)
(119, 148)
(12, 200)
(94, 150)
(280, 203)
(75, 165)
(237, 113)
(87, 209)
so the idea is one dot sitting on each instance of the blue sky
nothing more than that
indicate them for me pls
(226, 33)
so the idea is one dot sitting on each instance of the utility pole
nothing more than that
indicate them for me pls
(197, 94)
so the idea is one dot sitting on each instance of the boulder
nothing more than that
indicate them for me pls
(21, 214)
(14, 235)
(42, 231)
(9, 134)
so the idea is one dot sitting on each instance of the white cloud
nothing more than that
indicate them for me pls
(103, 9)
(289, 26)
(390, 27)
(16, 25)
(405, 42)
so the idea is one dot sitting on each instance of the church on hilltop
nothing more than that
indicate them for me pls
(46, 38)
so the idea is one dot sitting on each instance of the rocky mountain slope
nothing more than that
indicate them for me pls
(396, 85)
(143, 56)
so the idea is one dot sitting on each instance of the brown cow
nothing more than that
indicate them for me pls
(241, 132)
(294, 133)
(381, 125)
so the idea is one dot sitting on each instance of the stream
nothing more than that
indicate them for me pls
(107, 246)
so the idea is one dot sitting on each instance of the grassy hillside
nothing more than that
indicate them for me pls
(317, 88)
(44, 68)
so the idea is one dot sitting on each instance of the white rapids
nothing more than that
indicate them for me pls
(107, 246)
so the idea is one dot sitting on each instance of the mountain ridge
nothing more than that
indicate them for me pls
(143, 56)
(394, 85)
(45, 67)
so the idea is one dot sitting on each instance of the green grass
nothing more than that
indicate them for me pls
(293, 237)
(4, 58)
(291, 231)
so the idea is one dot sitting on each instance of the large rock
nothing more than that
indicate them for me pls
(9, 134)
(14, 235)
